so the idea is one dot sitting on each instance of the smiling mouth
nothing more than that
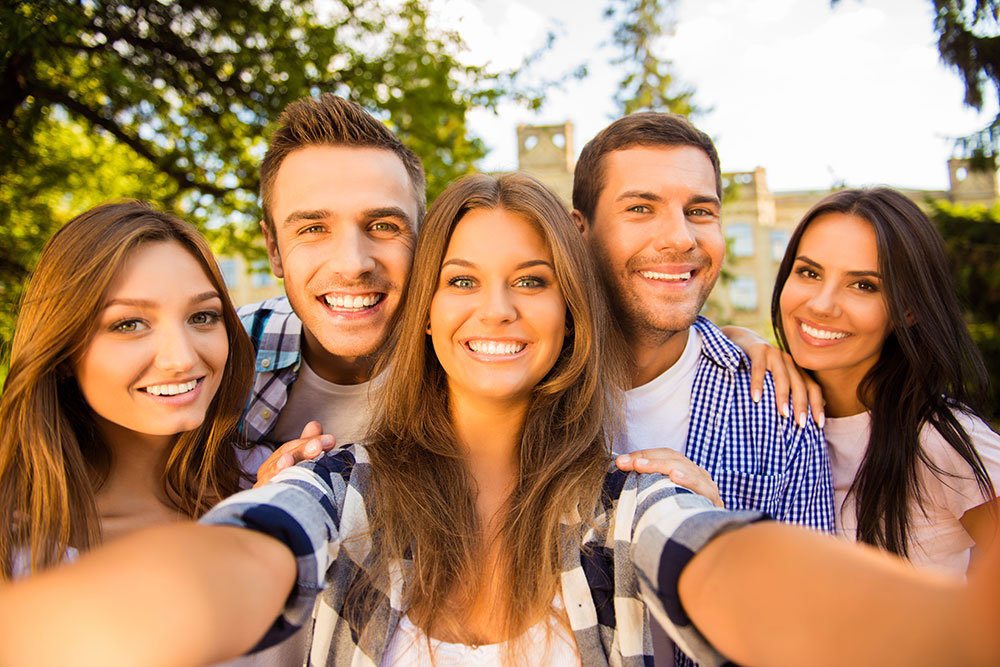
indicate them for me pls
(821, 333)
(170, 389)
(350, 303)
(492, 347)
(666, 277)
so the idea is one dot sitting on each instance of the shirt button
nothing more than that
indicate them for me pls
(266, 363)
(265, 414)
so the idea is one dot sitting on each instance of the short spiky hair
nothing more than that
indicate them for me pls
(648, 128)
(329, 120)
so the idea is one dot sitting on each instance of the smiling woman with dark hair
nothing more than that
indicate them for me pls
(483, 519)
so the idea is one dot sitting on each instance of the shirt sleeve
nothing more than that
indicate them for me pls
(669, 527)
(808, 495)
(302, 507)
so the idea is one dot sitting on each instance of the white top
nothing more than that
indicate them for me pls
(344, 410)
(657, 414)
(937, 539)
(546, 643)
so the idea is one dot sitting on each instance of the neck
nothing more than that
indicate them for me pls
(653, 355)
(840, 391)
(333, 368)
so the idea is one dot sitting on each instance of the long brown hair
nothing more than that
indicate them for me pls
(424, 502)
(928, 367)
(52, 458)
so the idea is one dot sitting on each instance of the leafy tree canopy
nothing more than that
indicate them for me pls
(648, 83)
(171, 100)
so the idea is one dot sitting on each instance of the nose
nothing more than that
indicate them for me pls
(175, 350)
(673, 232)
(497, 306)
(351, 253)
(823, 301)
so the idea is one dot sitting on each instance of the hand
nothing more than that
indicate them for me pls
(805, 392)
(675, 465)
(312, 443)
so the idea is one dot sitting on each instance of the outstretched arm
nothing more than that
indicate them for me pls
(183, 594)
(773, 594)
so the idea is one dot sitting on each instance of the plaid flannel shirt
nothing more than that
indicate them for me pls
(276, 333)
(645, 532)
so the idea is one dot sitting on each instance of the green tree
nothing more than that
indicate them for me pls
(647, 83)
(972, 238)
(171, 100)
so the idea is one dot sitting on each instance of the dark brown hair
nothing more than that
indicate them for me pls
(424, 501)
(329, 120)
(928, 368)
(648, 128)
(52, 458)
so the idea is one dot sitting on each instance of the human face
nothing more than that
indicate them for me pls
(832, 309)
(656, 235)
(498, 318)
(343, 242)
(155, 360)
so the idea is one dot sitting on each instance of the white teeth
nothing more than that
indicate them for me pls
(821, 334)
(493, 347)
(348, 302)
(170, 389)
(653, 275)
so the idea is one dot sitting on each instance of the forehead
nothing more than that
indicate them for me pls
(159, 268)
(342, 178)
(496, 234)
(658, 169)
(840, 238)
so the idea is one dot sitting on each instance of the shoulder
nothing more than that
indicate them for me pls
(278, 307)
(985, 440)
(717, 347)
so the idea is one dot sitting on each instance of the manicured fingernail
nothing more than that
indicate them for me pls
(756, 395)
(783, 409)
(802, 420)
(640, 462)
(821, 420)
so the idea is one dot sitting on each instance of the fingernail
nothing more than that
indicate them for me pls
(677, 474)
(783, 409)
(326, 439)
(313, 448)
(641, 462)
(623, 459)
(802, 420)
(285, 461)
(821, 420)
(756, 395)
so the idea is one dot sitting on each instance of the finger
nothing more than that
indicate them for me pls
(313, 448)
(779, 374)
(701, 486)
(800, 397)
(625, 462)
(659, 454)
(284, 461)
(758, 369)
(311, 430)
(816, 401)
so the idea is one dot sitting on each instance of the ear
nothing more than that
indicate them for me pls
(909, 318)
(273, 256)
(581, 222)
(428, 328)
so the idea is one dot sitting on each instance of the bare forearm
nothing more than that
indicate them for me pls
(180, 594)
(772, 594)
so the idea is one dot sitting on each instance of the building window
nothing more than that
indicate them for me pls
(779, 241)
(743, 293)
(260, 273)
(230, 272)
(740, 236)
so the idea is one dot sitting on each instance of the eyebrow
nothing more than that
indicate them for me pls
(853, 274)
(471, 265)
(652, 196)
(145, 303)
(367, 214)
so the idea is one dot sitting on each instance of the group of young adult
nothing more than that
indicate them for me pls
(479, 369)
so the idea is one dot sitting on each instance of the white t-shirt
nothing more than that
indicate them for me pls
(344, 410)
(937, 539)
(657, 413)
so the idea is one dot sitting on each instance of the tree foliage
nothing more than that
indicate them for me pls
(171, 100)
(972, 238)
(647, 83)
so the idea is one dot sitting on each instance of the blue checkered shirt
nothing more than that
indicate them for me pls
(276, 333)
(627, 566)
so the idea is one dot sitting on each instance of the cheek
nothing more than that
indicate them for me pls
(712, 241)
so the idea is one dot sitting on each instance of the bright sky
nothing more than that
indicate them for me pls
(813, 94)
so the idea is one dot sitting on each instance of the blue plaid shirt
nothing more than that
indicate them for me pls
(276, 333)
(641, 536)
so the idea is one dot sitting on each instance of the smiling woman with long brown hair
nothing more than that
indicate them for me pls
(128, 372)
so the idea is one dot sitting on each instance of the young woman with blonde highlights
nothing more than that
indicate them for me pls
(92, 444)
(507, 524)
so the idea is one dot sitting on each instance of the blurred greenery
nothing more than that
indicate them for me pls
(972, 238)
(172, 101)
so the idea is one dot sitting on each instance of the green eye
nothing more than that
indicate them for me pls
(461, 282)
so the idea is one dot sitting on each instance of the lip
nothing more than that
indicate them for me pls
(353, 314)
(818, 342)
(176, 400)
(495, 358)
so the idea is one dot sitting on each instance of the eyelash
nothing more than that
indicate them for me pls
(212, 317)
(538, 281)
